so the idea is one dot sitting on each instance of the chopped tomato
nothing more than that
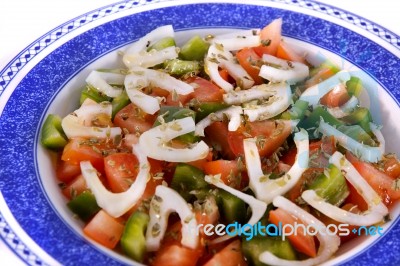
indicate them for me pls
(174, 255)
(204, 90)
(201, 162)
(66, 171)
(336, 97)
(172, 252)
(81, 149)
(229, 171)
(321, 75)
(271, 37)
(231, 255)
(378, 180)
(270, 134)
(306, 178)
(301, 241)
(178, 99)
(216, 135)
(319, 150)
(75, 187)
(104, 229)
(391, 166)
(285, 51)
(354, 198)
(133, 119)
(250, 61)
(157, 91)
(121, 170)
(224, 74)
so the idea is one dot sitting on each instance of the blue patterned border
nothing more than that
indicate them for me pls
(17, 245)
(9, 72)
(38, 46)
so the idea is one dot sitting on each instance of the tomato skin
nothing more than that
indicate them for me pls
(230, 255)
(216, 135)
(133, 119)
(67, 171)
(75, 187)
(286, 52)
(121, 170)
(248, 58)
(205, 91)
(274, 135)
(301, 241)
(172, 253)
(228, 169)
(378, 180)
(81, 149)
(273, 33)
(320, 76)
(104, 229)
(336, 97)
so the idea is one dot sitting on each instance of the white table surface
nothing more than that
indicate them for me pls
(23, 21)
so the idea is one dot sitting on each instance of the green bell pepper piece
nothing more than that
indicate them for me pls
(195, 49)
(92, 93)
(133, 240)
(331, 186)
(53, 136)
(188, 178)
(233, 209)
(179, 67)
(84, 205)
(162, 44)
(204, 109)
(257, 245)
(119, 102)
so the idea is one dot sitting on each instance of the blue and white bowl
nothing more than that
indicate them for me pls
(46, 77)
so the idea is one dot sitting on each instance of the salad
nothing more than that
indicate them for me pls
(224, 150)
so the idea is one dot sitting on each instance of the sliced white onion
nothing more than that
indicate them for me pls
(155, 140)
(89, 109)
(237, 34)
(365, 152)
(377, 210)
(313, 94)
(102, 80)
(116, 204)
(162, 80)
(328, 243)
(164, 202)
(238, 42)
(254, 93)
(275, 105)
(266, 189)
(78, 124)
(150, 58)
(134, 82)
(150, 38)
(217, 56)
(344, 109)
(233, 113)
(291, 72)
(257, 207)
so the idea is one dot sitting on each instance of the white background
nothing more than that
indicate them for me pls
(23, 21)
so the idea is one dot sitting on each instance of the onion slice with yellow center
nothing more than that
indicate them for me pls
(156, 142)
